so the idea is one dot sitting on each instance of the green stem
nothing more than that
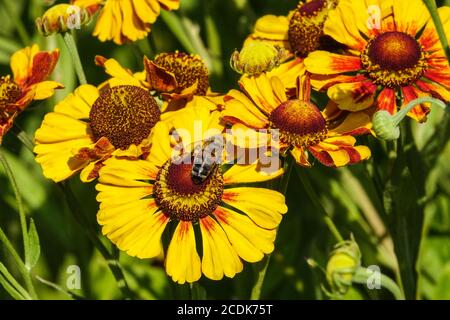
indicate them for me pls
(22, 269)
(316, 201)
(60, 289)
(20, 205)
(214, 43)
(432, 8)
(173, 22)
(72, 47)
(20, 27)
(398, 117)
(23, 137)
(362, 275)
(22, 216)
(10, 289)
(256, 290)
(4, 271)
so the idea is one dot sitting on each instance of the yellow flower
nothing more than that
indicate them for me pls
(141, 199)
(180, 79)
(31, 67)
(123, 21)
(392, 52)
(302, 127)
(90, 125)
(299, 33)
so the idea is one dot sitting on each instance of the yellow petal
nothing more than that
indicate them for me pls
(134, 227)
(182, 262)
(55, 158)
(249, 173)
(249, 240)
(111, 195)
(219, 257)
(240, 109)
(265, 207)
(22, 62)
(127, 173)
(270, 27)
(327, 63)
(161, 150)
(354, 96)
(46, 89)
(410, 16)
(78, 104)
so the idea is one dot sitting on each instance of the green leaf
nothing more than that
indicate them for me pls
(34, 246)
(11, 285)
(10, 289)
(405, 215)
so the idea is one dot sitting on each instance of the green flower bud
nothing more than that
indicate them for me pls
(256, 57)
(62, 18)
(385, 126)
(342, 265)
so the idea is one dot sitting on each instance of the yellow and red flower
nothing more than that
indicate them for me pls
(92, 124)
(123, 21)
(302, 127)
(179, 78)
(141, 199)
(397, 55)
(300, 32)
(31, 67)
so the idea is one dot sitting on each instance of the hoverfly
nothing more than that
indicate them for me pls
(206, 159)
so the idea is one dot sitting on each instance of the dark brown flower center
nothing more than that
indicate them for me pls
(180, 198)
(394, 59)
(306, 25)
(9, 94)
(187, 69)
(394, 51)
(124, 114)
(300, 123)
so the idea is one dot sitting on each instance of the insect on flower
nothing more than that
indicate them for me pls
(207, 159)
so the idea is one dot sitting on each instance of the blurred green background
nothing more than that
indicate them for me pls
(353, 197)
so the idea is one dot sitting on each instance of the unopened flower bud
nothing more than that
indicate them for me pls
(385, 126)
(62, 18)
(342, 265)
(256, 57)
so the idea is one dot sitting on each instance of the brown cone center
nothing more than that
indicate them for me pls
(124, 114)
(394, 51)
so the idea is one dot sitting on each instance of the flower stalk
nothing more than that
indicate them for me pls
(386, 126)
(362, 276)
(256, 290)
(23, 224)
(432, 8)
(72, 47)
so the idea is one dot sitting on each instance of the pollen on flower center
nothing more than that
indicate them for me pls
(124, 114)
(306, 25)
(394, 59)
(187, 70)
(300, 123)
(180, 198)
(9, 93)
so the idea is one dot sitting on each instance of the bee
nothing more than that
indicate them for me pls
(206, 159)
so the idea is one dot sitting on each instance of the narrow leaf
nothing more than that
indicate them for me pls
(34, 251)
